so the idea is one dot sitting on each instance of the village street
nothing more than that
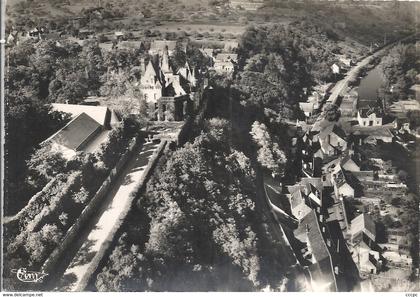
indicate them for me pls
(113, 210)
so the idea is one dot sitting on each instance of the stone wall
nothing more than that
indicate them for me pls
(49, 265)
(105, 248)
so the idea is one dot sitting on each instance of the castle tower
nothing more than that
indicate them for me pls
(164, 65)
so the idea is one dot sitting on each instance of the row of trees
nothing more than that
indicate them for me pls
(400, 70)
(202, 231)
(279, 63)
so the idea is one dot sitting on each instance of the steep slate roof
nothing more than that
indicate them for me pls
(322, 269)
(313, 183)
(227, 57)
(332, 129)
(207, 51)
(306, 106)
(361, 222)
(367, 111)
(174, 88)
(373, 132)
(75, 134)
(349, 158)
(339, 132)
(345, 177)
(230, 45)
(296, 198)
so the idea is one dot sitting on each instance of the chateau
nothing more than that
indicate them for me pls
(167, 92)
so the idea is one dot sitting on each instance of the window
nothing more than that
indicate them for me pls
(145, 96)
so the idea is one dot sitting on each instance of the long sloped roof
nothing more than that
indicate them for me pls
(76, 132)
(97, 113)
(321, 269)
(361, 222)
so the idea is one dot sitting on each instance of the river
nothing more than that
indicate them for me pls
(368, 88)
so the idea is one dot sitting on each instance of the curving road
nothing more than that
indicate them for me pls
(354, 72)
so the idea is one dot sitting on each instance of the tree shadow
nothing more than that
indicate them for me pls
(139, 163)
(65, 283)
(84, 255)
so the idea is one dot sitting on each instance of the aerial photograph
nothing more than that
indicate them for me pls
(210, 146)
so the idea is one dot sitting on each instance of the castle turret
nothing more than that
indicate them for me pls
(164, 65)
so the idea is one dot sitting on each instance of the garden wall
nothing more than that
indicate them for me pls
(105, 248)
(12, 222)
(49, 265)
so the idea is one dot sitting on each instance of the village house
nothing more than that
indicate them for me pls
(333, 140)
(222, 67)
(347, 162)
(345, 184)
(225, 63)
(362, 229)
(415, 90)
(250, 5)
(335, 68)
(372, 135)
(299, 204)
(346, 61)
(208, 52)
(316, 99)
(366, 253)
(305, 196)
(348, 106)
(401, 108)
(230, 46)
(322, 269)
(307, 108)
(227, 57)
(12, 38)
(119, 35)
(85, 34)
(311, 162)
(368, 117)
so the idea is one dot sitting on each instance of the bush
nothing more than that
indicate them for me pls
(81, 197)
(40, 244)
